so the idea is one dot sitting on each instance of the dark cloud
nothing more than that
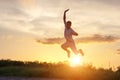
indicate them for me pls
(50, 41)
(95, 38)
(118, 51)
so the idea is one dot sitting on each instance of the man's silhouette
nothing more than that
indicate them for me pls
(68, 36)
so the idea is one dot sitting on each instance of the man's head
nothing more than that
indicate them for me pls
(68, 25)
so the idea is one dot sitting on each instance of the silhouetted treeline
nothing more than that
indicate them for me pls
(59, 70)
(9, 62)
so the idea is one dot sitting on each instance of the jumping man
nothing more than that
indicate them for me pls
(68, 32)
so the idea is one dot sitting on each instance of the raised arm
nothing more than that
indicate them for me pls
(64, 16)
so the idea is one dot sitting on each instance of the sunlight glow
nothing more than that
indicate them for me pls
(75, 60)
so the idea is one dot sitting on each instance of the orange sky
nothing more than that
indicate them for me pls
(22, 22)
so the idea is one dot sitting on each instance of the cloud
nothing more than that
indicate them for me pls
(6, 33)
(10, 7)
(95, 38)
(110, 2)
(118, 51)
(40, 16)
(107, 2)
(50, 41)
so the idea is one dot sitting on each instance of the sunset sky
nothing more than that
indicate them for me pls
(33, 30)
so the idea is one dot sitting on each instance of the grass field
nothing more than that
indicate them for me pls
(44, 70)
(26, 78)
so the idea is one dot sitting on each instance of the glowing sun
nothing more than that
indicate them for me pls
(75, 60)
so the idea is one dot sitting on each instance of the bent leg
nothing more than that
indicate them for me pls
(73, 47)
(65, 46)
(82, 53)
